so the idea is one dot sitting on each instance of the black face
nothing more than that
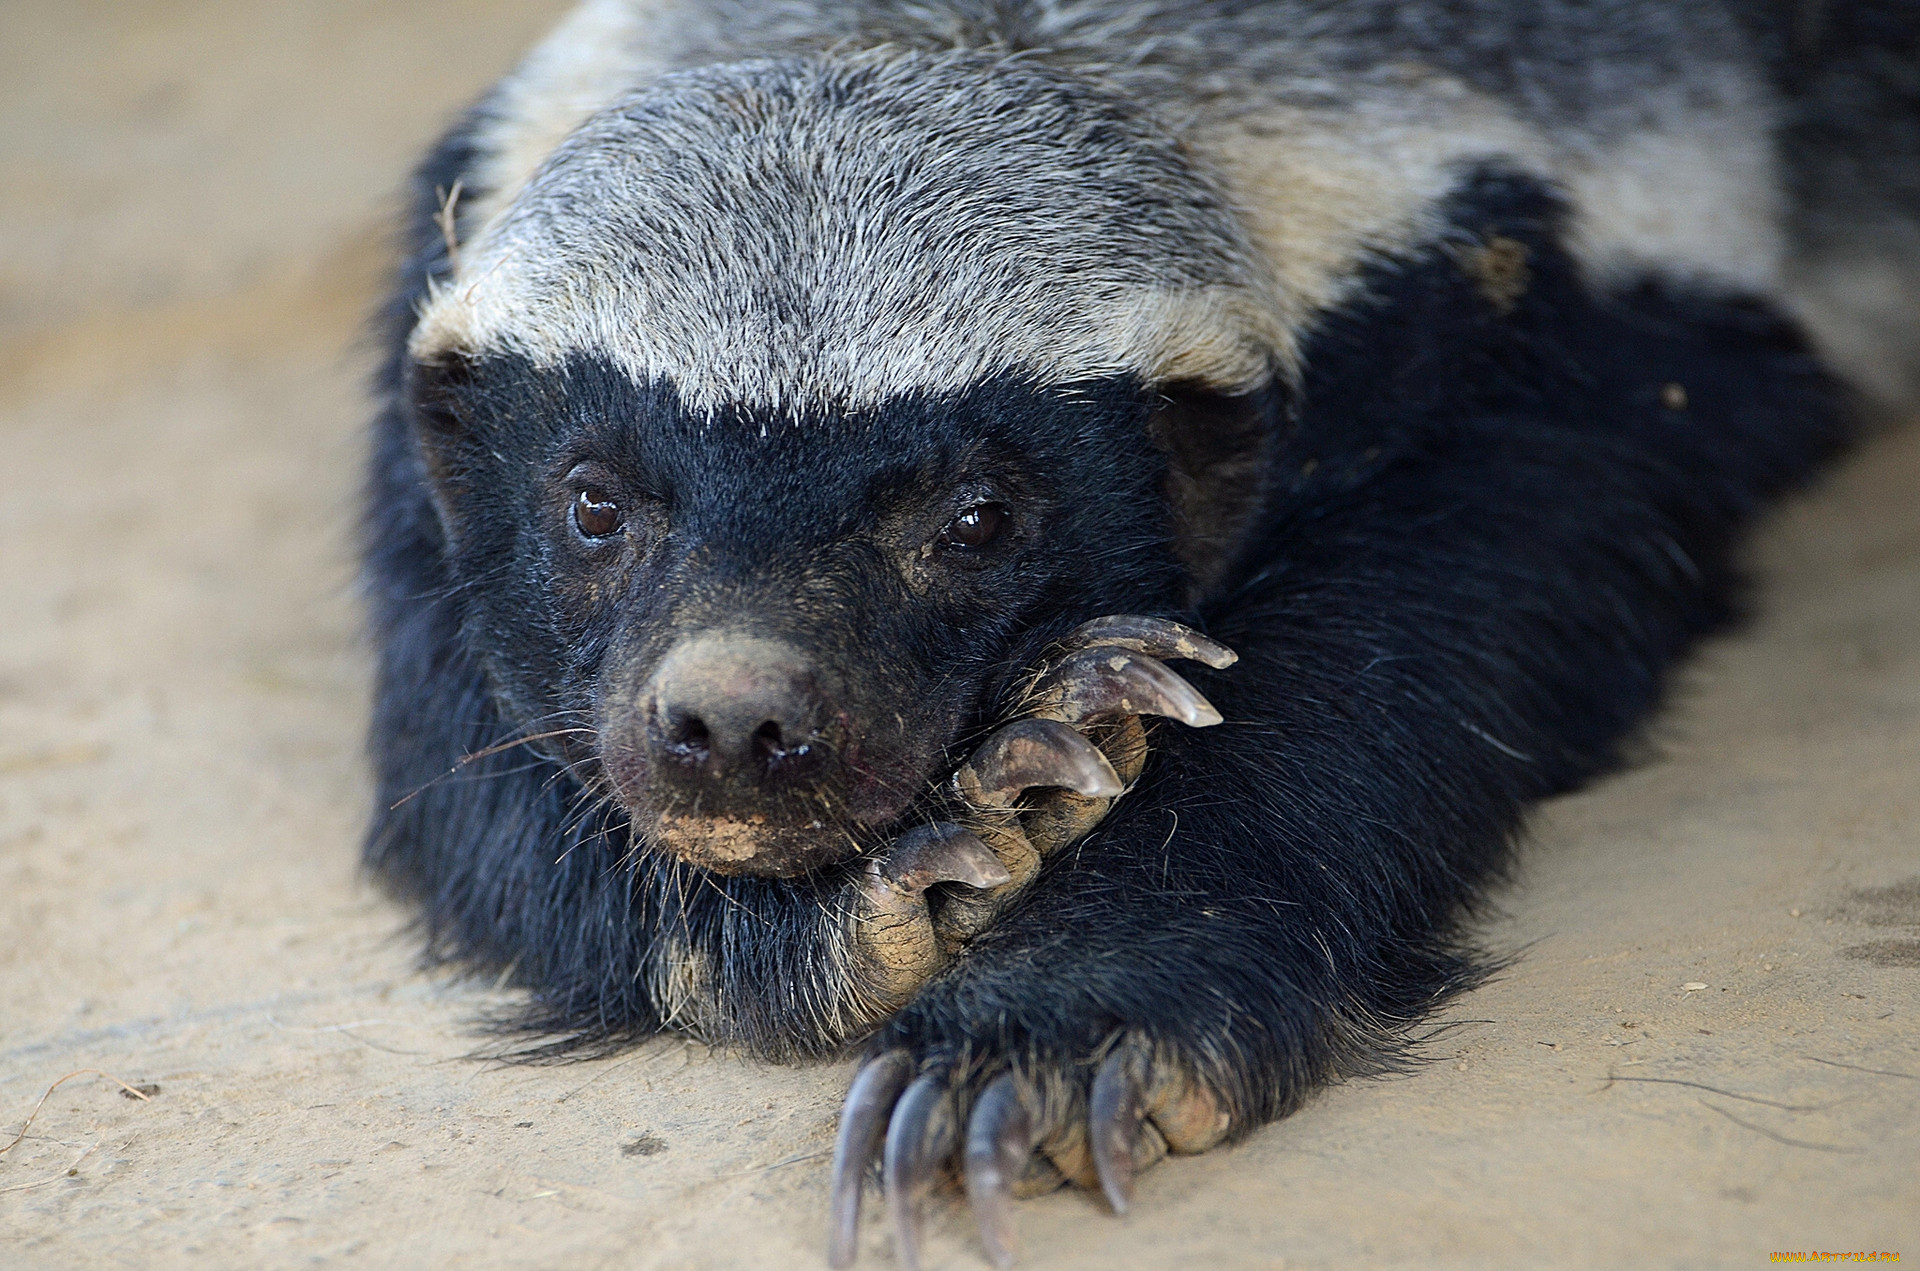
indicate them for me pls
(776, 633)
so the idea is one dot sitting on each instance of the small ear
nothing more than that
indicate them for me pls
(1218, 452)
(437, 394)
(438, 399)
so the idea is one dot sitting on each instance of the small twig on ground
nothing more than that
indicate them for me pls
(346, 1031)
(1725, 1094)
(68, 1172)
(1780, 1138)
(768, 1169)
(132, 1092)
(1878, 1072)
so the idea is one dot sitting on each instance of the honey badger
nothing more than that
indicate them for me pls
(1054, 541)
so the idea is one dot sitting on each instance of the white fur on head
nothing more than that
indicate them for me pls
(829, 233)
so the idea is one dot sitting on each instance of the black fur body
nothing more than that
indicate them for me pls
(1496, 494)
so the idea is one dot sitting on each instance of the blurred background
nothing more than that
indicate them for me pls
(1709, 1049)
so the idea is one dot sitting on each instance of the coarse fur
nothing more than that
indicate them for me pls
(1433, 356)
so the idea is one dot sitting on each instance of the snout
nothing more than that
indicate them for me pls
(737, 754)
(732, 720)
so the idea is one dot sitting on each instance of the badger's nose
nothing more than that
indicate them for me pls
(734, 713)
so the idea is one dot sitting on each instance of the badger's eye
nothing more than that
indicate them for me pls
(977, 527)
(596, 515)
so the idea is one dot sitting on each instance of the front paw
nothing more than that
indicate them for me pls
(1012, 1131)
(1036, 785)
(1104, 678)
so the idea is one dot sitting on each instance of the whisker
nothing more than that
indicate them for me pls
(520, 741)
(489, 751)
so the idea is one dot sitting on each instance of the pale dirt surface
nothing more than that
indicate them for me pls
(189, 231)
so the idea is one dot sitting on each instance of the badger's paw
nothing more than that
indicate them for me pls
(1036, 785)
(1009, 1132)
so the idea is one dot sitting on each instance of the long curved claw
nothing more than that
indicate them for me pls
(910, 1161)
(1035, 752)
(1155, 636)
(1108, 680)
(891, 923)
(942, 853)
(1115, 1112)
(871, 1098)
(999, 1142)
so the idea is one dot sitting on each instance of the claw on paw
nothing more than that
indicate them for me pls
(1115, 1115)
(999, 1142)
(941, 853)
(1031, 753)
(1111, 680)
(1028, 1132)
(870, 1102)
(893, 925)
(1157, 637)
(918, 1140)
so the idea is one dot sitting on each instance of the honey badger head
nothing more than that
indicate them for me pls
(792, 404)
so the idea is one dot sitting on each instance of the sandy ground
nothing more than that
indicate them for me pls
(1710, 1049)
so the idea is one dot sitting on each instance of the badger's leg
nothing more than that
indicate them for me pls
(1441, 634)
(1137, 1001)
(1037, 785)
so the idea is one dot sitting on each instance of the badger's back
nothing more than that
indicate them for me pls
(1767, 150)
